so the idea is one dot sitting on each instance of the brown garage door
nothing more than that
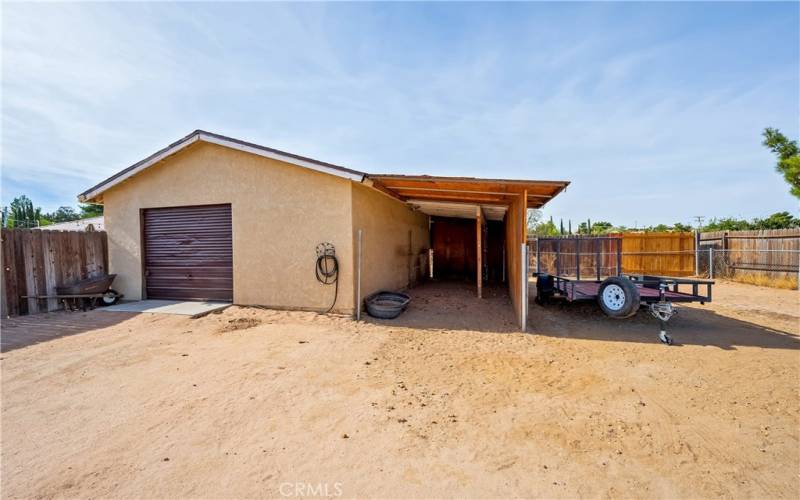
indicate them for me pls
(188, 253)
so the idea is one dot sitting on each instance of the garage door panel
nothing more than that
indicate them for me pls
(174, 293)
(155, 281)
(178, 270)
(189, 253)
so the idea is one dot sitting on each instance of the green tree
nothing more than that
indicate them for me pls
(788, 157)
(63, 214)
(546, 228)
(683, 228)
(534, 216)
(728, 224)
(23, 214)
(602, 227)
(779, 220)
(92, 210)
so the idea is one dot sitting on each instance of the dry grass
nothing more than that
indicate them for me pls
(761, 280)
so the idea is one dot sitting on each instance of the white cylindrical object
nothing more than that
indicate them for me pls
(696, 253)
(711, 263)
(524, 291)
(358, 280)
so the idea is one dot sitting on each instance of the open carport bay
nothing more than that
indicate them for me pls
(449, 400)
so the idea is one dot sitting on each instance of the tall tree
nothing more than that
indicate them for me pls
(788, 157)
(23, 213)
(534, 216)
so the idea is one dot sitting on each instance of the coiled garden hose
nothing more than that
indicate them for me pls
(327, 269)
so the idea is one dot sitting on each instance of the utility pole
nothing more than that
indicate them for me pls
(699, 219)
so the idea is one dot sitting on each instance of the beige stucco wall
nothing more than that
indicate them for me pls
(386, 224)
(280, 213)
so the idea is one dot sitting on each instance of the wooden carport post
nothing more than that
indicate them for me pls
(479, 222)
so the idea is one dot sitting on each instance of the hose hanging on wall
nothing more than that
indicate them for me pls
(327, 269)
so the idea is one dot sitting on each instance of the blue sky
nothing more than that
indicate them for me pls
(653, 111)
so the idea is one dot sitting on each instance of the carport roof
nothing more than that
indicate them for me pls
(418, 190)
(472, 190)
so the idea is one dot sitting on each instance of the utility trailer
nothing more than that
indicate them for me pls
(619, 295)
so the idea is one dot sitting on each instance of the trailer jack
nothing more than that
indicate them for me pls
(663, 311)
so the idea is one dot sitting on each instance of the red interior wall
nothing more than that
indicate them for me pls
(454, 248)
(454, 252)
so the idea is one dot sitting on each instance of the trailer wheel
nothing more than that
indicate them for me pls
(110, 298)
(544, 289)
(618, 297)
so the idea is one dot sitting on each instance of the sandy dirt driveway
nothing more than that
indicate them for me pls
(447, 401)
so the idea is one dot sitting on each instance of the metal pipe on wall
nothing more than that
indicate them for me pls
(358, 279)
(711, 263)
(524, 291)
(697, 253)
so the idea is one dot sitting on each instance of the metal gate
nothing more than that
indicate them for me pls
(188, 253)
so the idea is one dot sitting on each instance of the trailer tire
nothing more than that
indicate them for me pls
(544, 289)
(618, 297)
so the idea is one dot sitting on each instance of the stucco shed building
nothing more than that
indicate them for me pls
(215, 218)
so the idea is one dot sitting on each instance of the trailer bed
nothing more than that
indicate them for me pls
(648, 286)
(588, 290)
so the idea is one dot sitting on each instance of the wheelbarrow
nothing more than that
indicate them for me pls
(86, 292)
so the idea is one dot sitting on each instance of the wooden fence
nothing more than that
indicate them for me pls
(768, 255)
(577, 256)
(667, 254)
(35, 262)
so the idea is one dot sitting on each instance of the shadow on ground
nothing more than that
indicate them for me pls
(449, 305)
(691, 326)
(22, 331)
(454, 305)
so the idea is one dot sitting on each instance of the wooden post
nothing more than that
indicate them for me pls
(597, 262)
(31, 272)
(558, 257)
(50, 268)
(479, 246)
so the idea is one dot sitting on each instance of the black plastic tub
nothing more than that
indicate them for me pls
(386, 305)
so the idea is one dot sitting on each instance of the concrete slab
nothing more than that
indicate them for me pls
(182, 307)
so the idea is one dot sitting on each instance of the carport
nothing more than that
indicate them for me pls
(496, 248)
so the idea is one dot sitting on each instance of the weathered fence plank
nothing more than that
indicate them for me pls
(35, 262)
(769, 254)
(49, 253)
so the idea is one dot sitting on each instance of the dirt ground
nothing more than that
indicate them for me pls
(449, 400)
